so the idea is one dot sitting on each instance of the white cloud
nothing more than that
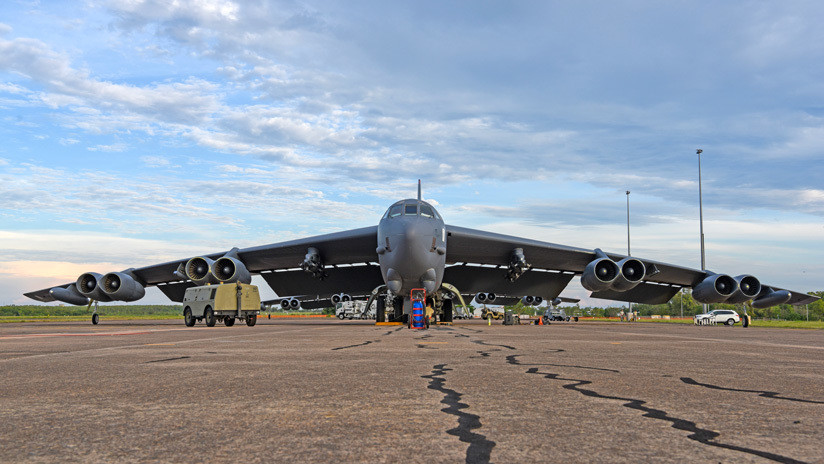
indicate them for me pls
(155, 161)
(117, 147)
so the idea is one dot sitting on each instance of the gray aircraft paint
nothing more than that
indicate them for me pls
(412, 247)
(411, 252)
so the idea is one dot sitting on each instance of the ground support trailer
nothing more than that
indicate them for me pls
(221, 303)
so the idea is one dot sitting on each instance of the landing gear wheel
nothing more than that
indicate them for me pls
(95, 318)
(188, 319)
(229, 321)
(209, 317)
(576, 318)
(251, 320)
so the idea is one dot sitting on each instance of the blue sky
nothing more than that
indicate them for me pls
(142, 131)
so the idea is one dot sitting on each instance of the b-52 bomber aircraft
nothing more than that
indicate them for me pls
(411, 248)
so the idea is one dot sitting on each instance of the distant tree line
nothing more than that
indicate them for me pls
(123, 310)
(683, 303)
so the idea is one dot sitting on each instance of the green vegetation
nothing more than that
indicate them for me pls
(691, 307)
(121, 310)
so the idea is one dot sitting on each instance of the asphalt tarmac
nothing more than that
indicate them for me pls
(298, 390)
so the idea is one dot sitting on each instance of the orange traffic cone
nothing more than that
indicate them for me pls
(540, 321)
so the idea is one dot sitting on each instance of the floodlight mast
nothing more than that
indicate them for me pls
(701, 216)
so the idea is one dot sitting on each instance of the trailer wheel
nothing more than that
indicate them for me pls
(187, 317)
(229, 321)
(209, 317)
(251, 320)
(576, 318)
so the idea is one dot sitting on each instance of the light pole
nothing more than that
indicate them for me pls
(701, 217)
(628, 253)
(628, 250)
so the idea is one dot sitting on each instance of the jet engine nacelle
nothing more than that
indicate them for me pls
(485, 297)
(530, 300)
(748, 288)
(341, 297)
(122, 286)
(198, 270)
(89, 285)
(69, 295)
(600, 274)
(715, 288)
(632, 273)
(290, 303)
(230, 270)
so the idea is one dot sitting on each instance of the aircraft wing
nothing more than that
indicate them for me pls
(346, 255)
(479, 260)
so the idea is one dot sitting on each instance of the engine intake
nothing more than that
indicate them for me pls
(290, 303)
(632, 273)
(122, 286)
(198, 271)
(230, 270)
(600, 274)
(341, 297)
(748, 288)
(485, 297)
(89, 285)
(530, 300)
(715, 288)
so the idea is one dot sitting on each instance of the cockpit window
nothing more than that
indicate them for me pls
(426, 211)
(411, 210)
(395, 210)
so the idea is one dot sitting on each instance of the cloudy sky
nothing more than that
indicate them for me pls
(136, 131)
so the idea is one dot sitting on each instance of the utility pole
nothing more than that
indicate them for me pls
(701, 216)
(628, 250)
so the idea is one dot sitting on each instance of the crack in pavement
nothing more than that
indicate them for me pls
(512, 359)
(481, 342)
(762, 393)
(355, 346)
(168, 359)
(703, 436)
(480, 448)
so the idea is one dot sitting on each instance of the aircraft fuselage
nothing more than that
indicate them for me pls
(411, 247)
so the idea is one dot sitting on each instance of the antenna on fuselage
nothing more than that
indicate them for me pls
(419, 190)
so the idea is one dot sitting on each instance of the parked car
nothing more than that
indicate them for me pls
(718, 316)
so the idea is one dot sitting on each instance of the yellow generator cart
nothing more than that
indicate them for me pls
(224, 302)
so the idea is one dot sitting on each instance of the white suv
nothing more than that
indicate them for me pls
(718, 316)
